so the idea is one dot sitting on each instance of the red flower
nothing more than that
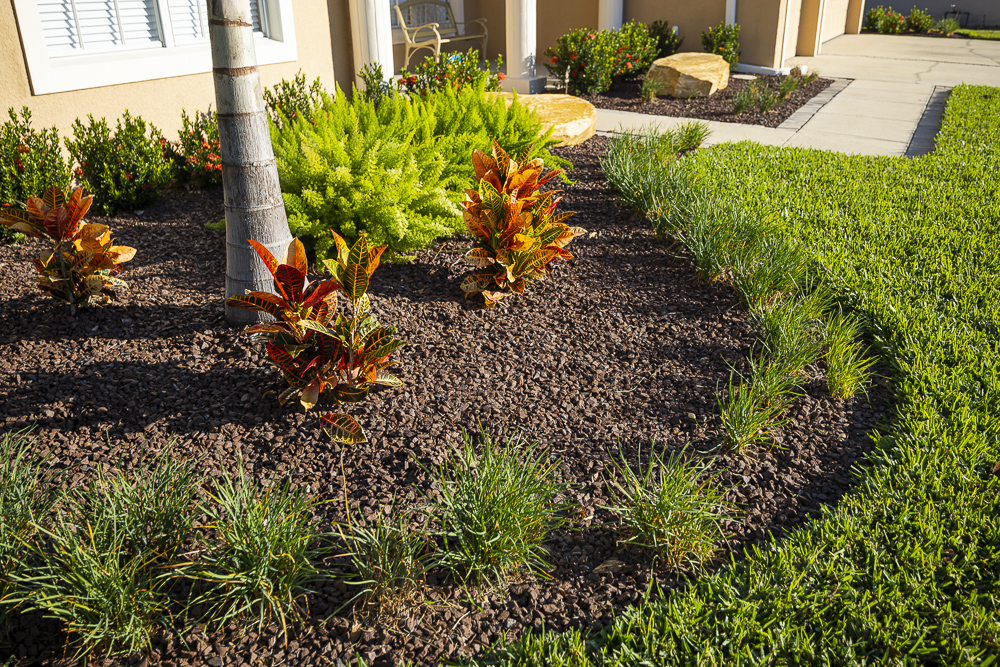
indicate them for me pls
(501, 76)
(573, 57)
(208, 166)
(402, 82)
(128, 176)
(554, 59)
(78, 172)
(23, 149)
(628, 65)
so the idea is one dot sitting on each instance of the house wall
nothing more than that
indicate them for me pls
(691, 18)
(761, 24)
(834, 19)
(158, 101)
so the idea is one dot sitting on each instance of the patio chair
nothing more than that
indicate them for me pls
(427, 24)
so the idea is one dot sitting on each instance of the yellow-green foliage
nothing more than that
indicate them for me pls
(397, 172)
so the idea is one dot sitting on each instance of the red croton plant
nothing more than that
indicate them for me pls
(319, 355)
(82, 264)
(516, 229)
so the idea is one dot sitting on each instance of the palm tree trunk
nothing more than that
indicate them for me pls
(254, 209)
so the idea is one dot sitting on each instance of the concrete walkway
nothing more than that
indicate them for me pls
(887, 99)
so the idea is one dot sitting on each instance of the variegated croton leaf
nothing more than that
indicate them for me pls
(82, 264)
(515, 226)
(322, 357)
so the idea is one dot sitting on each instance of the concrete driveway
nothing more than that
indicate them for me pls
(887, 100)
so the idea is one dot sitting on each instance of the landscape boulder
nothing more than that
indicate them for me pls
(690, 74)
(572, 120)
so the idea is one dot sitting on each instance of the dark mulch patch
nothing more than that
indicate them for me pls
(625, 97)
(623, 347)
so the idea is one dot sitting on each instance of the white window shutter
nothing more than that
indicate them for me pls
(190, 25)
(59, 27)
(98, 25)
(139, 24)
(258, 15)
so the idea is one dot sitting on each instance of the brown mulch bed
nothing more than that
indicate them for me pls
(623, 347)
(625, 97)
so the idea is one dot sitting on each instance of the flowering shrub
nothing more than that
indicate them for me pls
(288, 100)
(125, 170)
(199, 164)
(723, 40)
(919, 21)
(456, 70)
(884, 20)
(589, 61)
(29, 160)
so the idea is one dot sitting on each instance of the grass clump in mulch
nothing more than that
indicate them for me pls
(904, 569)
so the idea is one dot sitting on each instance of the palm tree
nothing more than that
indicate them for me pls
(254, 209)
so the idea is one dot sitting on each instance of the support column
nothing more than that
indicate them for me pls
(521, 46)
(371, 35)
(730, 12)
(609, 15)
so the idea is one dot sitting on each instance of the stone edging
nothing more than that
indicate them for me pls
(804, 113)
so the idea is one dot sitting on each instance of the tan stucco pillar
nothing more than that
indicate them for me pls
(609, 14)
(855, 17)
(810, 28)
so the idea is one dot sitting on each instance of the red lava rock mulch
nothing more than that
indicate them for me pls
(625, 97)
(621, 348)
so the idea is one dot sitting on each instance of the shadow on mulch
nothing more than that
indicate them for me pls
(621, 348)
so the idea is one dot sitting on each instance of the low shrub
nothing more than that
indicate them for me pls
(451, 70)
(267, 553)
(517, 233)
(30, 160)
(667, 41)
(791, 328)
(388, 557)
(198, 163)
(496, 508)
(104, 566)
(788, 85)
(288, 101)
(27, 496)
(124, 170)
(723, 40)
(314, 352)
(377, 87)
(750, 411)
(589, 62)
(919, 21)
(651, 89)
(884, 20)
(82, 263)
(948, 26)
(670, 508)
(397, 172)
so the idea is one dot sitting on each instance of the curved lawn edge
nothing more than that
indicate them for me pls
(904, 569)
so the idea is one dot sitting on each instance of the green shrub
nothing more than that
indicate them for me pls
(377, 86)
(669, 508)
(667, 41)
(651, 89)
(496, 508)
(589, 62)
(723, 40)
(287, 101)
(884, 20)
(198, 164)
(787, 86)
(750, 411)
(451, 70)
(27, 495)
(104, 565)
(744, 100)
(266, 553)
(124, 170)
(398, 171)
(30, 161)
(948, 26)
(847, 367)
(919, 21)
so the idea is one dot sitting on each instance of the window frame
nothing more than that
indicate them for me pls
(60, 74)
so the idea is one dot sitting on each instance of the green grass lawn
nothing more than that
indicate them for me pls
(906, 569)
(979, 34)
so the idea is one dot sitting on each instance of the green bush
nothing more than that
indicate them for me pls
(948, 26)
(919, 21)
(397, 171)
(30, 161)
(723, 40)
(451, 70)
(667, 41)
(287, 101)
(884, 20)
(198, 164)
(124, 170)
(589, 62)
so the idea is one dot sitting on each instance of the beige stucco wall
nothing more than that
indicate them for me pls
(809, 29)
(791, 29)
(558, 17)
(691, 18)
(761, 24)
(834, 19)
(158, 101)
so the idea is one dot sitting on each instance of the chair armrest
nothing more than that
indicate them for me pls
(432, 27)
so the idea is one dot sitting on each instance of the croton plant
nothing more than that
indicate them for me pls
(321, 356)
(517, 231)
(82, 265)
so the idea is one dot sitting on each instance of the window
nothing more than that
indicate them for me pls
(457, 10)
(76, 44)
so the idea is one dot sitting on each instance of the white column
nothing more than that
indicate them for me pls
(520, 57)
(371, 35)
(730, 12)
(609, 15)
